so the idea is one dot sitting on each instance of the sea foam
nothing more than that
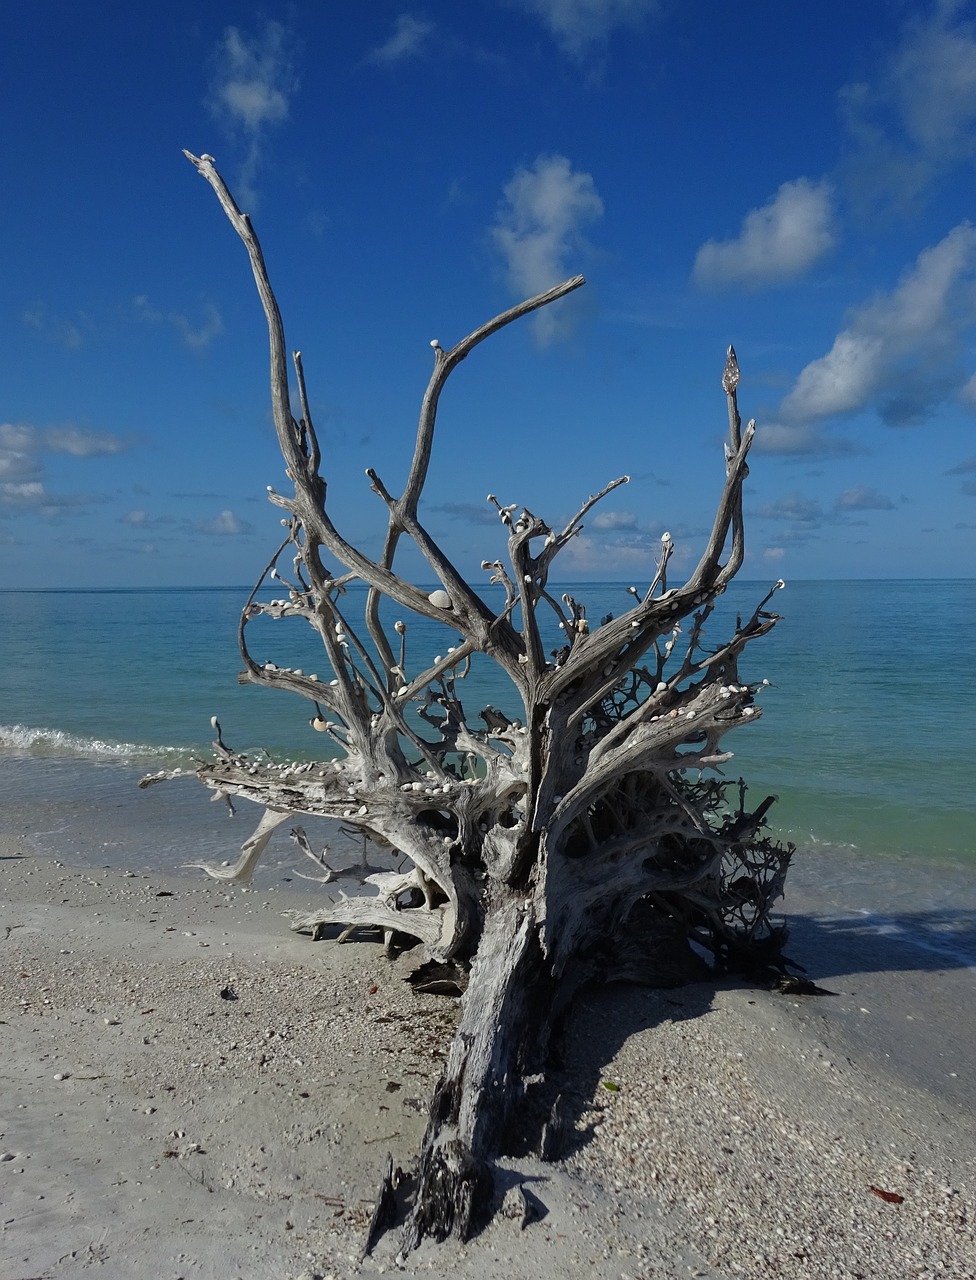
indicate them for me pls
(30, 740)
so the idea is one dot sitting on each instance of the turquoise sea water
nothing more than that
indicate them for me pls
(868, 735)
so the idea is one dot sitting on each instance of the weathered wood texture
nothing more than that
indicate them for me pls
(585, 839)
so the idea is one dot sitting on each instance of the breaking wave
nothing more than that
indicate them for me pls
(27, 740)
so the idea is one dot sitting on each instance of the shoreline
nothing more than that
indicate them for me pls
(193, 1089)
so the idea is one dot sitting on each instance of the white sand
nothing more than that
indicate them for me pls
(152, 1127)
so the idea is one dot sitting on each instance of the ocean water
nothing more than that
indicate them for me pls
(867, 738)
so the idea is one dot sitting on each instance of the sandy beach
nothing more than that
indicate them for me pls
(192, 1090)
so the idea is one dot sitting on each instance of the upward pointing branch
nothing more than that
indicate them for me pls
(285, 424)
(300, 450)
(403, 512)
(444, 364)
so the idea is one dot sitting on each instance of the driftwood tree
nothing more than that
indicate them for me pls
(591, 837)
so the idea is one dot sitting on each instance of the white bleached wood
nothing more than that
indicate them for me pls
(590, 837)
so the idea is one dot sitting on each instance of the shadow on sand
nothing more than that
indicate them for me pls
(833, 950)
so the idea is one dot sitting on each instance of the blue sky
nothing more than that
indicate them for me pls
(795, 179)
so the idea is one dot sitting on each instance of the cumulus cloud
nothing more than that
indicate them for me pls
(588, 555)
(226, 525)
(801, 438)
(863, 498)
(539, 226)
(577, 25)
(899, 355)
(801, 516)
(196, 336)
(199, 336)
(614, 520)
(141, 519)
(33, 495)
(18, 466)
(21, 440)
(253, 77)
(621, 543)
(409, 36)
(634, 550)
(22, 451)
(794, 509)
(933, 77)
(919, 117)
(22, 445)
(778, 242)
(22, 493)
(252, 83)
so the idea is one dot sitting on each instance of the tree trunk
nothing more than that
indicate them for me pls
(482, 1079)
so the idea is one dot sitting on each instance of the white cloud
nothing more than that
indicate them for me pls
(900, 352)
(539, 225)
(407, 41)
(918, 118)
(27, 493)
(18, 439)
(795, 509)
(34, 495)
(254, 77)
(140, 519)
(587, 555)
(637, 551)
(18, 467)
(863, 498)
(55, 329)
(842, 381)
(800, 438)
(22, 450)
(933, 81)
(79, 443)
(197, 337)
(252, 83)
(777, 243)
(225, 525)
(802, 515)
(201, 336)
(579, 24)
(614, 520)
